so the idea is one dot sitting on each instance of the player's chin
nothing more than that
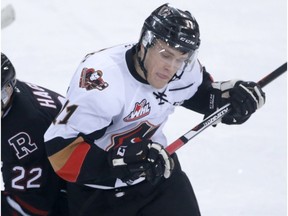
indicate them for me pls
(159, 84)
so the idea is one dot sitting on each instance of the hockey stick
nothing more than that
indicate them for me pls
(218, 114)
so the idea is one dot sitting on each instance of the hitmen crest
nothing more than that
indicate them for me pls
(91, 79)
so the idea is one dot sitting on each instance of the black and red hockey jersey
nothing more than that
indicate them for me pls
(30, 185)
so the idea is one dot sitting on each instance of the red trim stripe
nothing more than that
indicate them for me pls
(30, 208)
(71, 170)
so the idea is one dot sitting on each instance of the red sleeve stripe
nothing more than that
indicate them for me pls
(71, 169)
(30, 208)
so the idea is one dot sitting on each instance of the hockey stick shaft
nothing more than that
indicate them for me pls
(218, 114)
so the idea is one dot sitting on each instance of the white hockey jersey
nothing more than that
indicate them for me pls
(108, 104)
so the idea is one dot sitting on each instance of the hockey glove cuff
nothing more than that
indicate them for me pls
(244, 97)
(142, 159)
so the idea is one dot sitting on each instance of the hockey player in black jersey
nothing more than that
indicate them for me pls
(108, 142)
(31, 187)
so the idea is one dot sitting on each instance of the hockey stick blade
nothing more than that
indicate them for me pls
(218, 114)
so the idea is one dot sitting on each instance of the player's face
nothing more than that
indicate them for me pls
(161, 63)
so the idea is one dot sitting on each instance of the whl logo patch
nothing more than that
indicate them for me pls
(140, 110)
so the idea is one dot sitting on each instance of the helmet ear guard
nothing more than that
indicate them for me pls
(147, 38)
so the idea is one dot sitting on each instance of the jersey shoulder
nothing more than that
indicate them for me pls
(100, 77)
(42, 99)
(184, 85)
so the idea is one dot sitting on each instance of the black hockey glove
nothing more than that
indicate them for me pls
(244, 97)
(142, 159)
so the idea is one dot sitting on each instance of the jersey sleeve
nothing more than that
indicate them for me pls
(199, 102)
(91, 106)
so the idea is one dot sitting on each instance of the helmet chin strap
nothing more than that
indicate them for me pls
(141, 61)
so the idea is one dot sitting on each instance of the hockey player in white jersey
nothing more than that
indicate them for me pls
(108, 139)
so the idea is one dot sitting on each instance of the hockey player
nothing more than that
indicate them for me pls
(109, 143)
(31, 187)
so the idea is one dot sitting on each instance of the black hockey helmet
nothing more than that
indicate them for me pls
(177, 28)
(8, 81)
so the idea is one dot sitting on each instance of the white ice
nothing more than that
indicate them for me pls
(235, 170)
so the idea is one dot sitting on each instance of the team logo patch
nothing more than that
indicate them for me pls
(91, 79)
(140, 110)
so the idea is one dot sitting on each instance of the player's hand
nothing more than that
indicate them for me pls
(142, 159)
(244, 97)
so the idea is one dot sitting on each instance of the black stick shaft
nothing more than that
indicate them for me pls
(270, 77)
